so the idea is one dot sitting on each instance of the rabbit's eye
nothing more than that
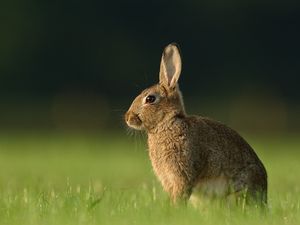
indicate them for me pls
(150, 99)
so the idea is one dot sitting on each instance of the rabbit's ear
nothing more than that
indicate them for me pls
(170, 66)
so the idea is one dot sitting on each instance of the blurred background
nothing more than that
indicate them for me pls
(77, 65)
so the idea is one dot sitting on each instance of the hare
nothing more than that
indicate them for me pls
(193, 153)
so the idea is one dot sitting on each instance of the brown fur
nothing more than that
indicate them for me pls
(193, 153)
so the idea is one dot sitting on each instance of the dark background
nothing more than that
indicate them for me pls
(77, 65)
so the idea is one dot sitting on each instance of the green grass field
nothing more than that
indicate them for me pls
(107, 179)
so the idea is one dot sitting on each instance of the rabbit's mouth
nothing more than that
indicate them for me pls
(133, 120)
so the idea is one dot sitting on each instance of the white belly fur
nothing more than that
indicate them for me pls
(212, 187)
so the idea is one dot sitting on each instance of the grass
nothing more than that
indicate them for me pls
(107, 179)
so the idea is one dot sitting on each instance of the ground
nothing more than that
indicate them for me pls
(99, 178)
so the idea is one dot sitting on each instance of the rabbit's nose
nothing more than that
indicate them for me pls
(128, 116)
(132, 119)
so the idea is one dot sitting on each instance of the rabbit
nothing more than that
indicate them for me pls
(192, 153)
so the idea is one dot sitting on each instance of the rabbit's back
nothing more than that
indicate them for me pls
(223, 141)
(229, 157)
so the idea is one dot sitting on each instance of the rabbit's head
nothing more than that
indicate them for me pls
(161, 102)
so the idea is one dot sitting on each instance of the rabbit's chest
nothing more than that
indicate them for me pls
(166, 170)
(167, 156)
(169, 163)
